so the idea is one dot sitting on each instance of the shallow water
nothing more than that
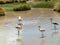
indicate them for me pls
(30, 35)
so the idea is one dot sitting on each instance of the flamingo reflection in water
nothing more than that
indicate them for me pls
(43, 41)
